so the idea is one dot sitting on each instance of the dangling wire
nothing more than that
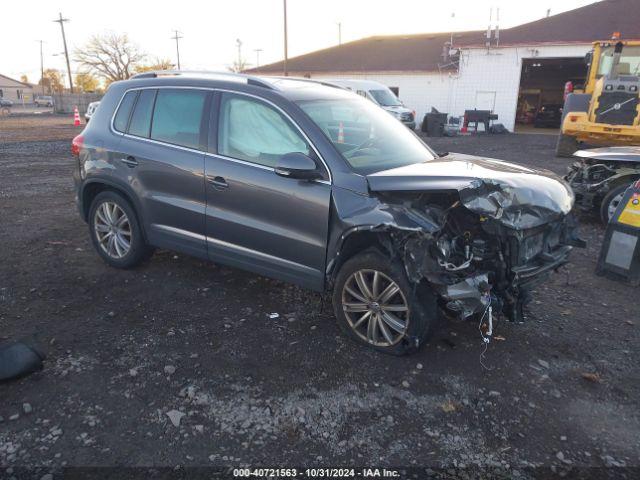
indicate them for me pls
(485, 339)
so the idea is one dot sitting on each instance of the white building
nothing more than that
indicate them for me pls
(525, 67)
(15, 91)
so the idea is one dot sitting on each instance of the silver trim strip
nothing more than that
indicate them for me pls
(231, 246)
(179, 231)
(213, 89)
(257, 253)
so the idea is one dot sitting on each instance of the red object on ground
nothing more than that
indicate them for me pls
(76, 117)
(464, 124)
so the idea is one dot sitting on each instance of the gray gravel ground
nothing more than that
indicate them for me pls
(178, 363)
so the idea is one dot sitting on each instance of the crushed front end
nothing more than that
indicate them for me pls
(474, 260)
(481, 241)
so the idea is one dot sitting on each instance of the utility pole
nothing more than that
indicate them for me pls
(286, 55)
(177, 37)
(41, 66)
(339, 33)
(62, 21)
(239, 62)
(257, 50)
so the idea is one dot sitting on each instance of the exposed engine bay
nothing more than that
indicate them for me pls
(473, 261)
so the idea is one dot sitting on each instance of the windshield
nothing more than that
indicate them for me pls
(368, 138)
(629, 63)
(385, 97)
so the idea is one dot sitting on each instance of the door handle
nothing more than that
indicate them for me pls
(218, 183)
(129, 161)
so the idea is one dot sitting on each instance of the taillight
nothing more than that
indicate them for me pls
(76, 145)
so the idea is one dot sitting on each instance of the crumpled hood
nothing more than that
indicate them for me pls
(611, 154)
(517, 196)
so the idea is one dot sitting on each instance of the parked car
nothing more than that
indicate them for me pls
(549, 115)
(313, 185)
(380, 95)
(601, 177)
(44, 101)
(91, 108)
(5, 102)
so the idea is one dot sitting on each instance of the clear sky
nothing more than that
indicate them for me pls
(210, 27)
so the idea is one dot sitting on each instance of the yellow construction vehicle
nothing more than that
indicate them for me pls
(607, 111)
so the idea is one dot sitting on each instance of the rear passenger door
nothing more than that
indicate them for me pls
(256, 219)
(163, 160)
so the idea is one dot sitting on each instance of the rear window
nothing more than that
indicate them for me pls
(177, 117)
(141, 119)
(124, 111)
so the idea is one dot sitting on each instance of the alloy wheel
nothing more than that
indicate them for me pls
(112, 229)
(375, 307)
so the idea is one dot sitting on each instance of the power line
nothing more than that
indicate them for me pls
(257, 50)
(177, 37)
(286, 55)
(41, 66)
(62, 21)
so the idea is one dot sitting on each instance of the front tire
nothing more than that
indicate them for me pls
(115, 231)
(377, 306)
(610, 202)
(566, 146)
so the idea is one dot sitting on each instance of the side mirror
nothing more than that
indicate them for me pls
(588, 57)
(297, 165)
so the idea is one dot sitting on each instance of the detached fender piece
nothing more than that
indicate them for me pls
(19, 359)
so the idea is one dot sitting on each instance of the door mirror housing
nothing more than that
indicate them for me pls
(297, 165)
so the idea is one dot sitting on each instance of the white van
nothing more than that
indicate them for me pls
(381, 95)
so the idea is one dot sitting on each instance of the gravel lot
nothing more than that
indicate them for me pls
(128, 351)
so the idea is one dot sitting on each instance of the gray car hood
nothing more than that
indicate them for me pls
(516, 196)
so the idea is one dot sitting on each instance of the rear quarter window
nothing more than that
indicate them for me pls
(124, 111)
(140, 124)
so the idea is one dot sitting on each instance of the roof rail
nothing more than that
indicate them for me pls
(251, 80)
(311, 80)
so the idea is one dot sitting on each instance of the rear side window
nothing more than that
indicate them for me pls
(177, 117)
(124, 111)
(141, 118)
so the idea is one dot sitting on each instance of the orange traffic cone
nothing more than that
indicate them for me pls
(341, 133)
(76, 117)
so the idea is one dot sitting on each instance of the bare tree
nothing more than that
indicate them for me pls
(110, 56)
(156, 64)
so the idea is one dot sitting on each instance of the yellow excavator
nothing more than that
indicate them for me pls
(607, 111)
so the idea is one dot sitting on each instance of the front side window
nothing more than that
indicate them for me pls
(366, 136)
(124, 111)
(177, 116)
(254, 131)
(141, 118)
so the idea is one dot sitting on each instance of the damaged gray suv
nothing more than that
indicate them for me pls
(313, 185)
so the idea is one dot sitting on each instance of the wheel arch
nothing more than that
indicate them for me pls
(92, 188)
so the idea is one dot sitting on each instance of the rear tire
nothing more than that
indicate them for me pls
(386, 326)
(115, 231)
(566, 146)
(610, 202)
